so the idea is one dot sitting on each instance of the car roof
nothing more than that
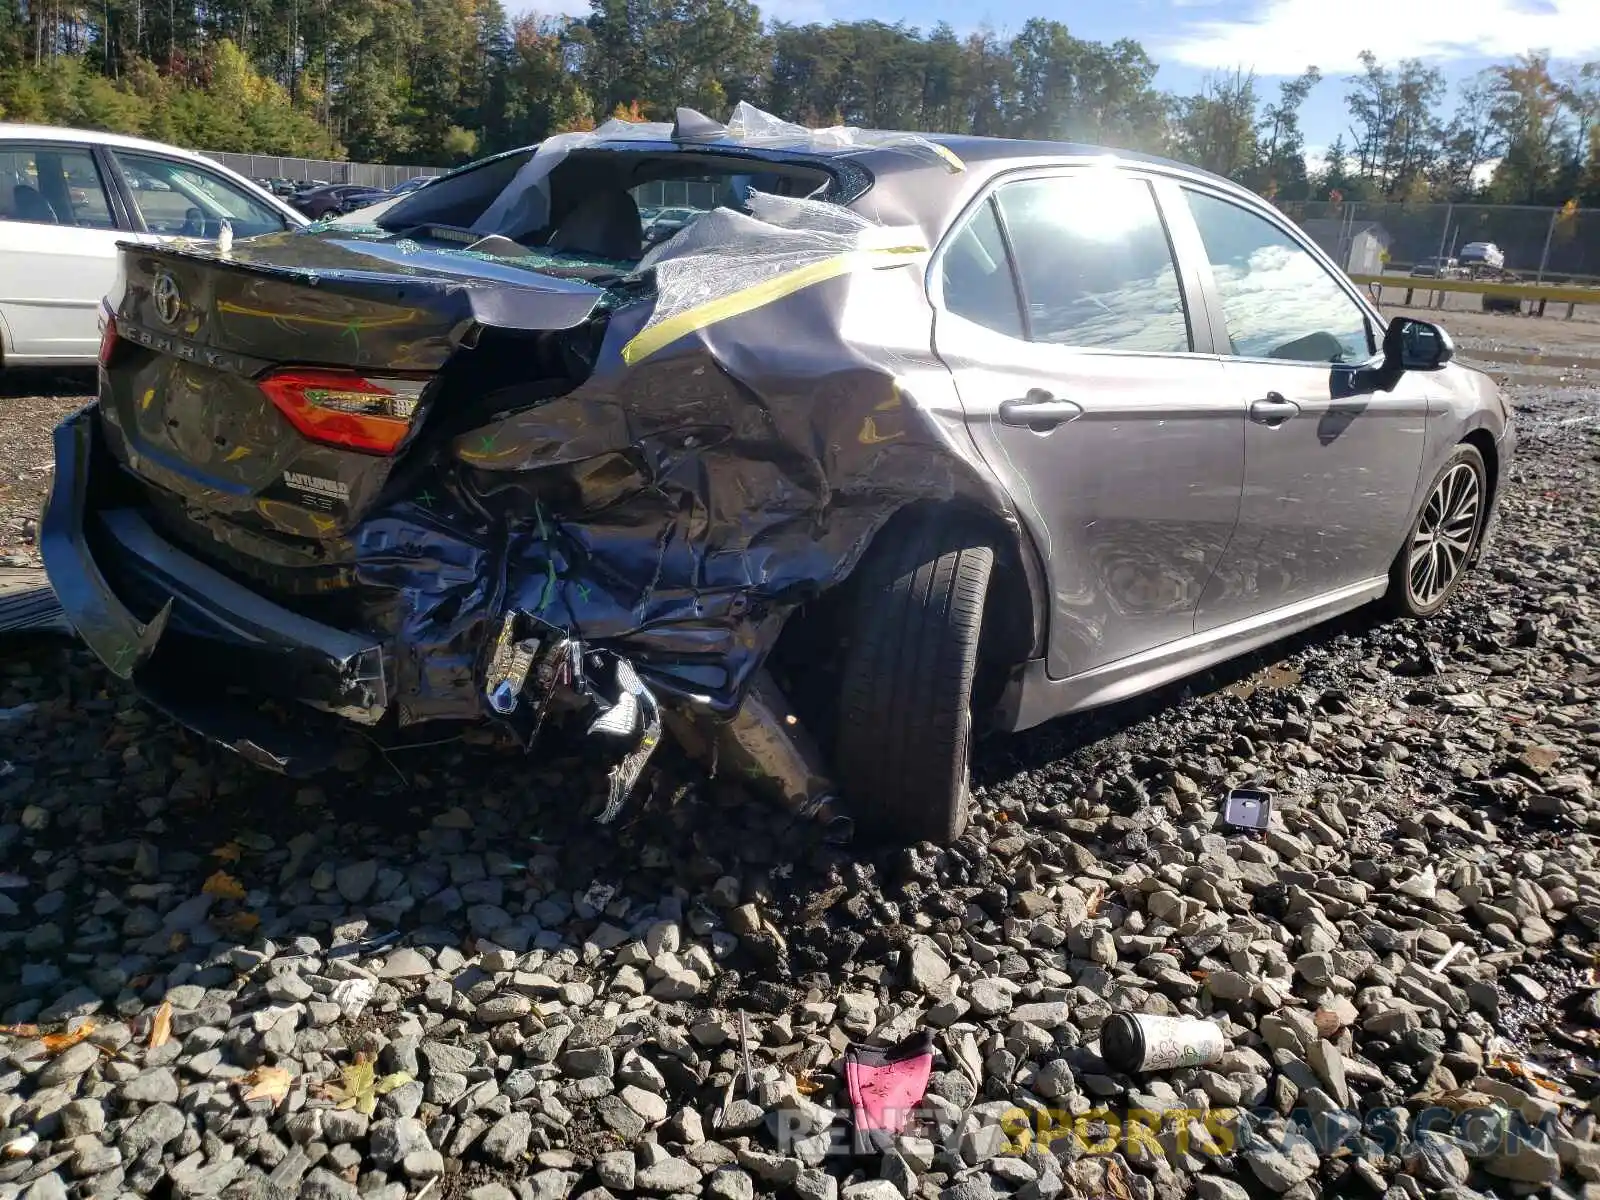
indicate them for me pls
(15, 131)
(884, 153)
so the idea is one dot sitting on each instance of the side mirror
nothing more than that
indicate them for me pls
(1412, 345)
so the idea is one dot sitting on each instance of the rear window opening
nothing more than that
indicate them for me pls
(602, 211)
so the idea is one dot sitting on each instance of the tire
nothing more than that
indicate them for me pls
(905, 712)
(1443, 537)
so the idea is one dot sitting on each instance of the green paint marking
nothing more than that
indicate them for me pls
(549, 585)
(425, 498)
(486, 442)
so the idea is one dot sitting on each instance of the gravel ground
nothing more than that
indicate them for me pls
(31, 402)
(431, 974)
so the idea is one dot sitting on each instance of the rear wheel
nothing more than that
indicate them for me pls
(1433, 561)
(905, 713)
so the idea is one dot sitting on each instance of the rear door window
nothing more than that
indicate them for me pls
(1096, 268)
(975, 275)
(53, 185)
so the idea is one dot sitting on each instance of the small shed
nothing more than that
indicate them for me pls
(1357, 246)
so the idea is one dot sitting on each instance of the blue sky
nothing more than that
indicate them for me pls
(1275, 38)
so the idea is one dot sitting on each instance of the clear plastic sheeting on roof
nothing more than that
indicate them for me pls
(525, 202)
(728, 262)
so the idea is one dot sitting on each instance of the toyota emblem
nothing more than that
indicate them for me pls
(168, 300)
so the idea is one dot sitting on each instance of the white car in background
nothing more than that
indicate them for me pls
(68, 196)
(1482, 254)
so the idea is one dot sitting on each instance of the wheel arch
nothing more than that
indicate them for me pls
(1483, 441)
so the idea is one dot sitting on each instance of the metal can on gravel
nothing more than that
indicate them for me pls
(1136, 1042)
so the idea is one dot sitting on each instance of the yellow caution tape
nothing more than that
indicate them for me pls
(654, 337)
(950, 156)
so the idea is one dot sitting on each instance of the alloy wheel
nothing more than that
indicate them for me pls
(1443, 539)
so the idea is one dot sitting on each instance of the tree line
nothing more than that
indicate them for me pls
(441, 81)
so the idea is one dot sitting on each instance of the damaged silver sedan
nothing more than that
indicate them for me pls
(896, 438)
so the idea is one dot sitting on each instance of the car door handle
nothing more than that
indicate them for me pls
(1273, 411)
(1039, 411)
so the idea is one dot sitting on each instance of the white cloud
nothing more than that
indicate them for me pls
(1282, 37)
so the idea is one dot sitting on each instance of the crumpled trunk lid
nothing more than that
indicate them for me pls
(197, 333)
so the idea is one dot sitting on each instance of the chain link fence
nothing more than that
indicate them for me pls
(305, 170)
(1541, 245)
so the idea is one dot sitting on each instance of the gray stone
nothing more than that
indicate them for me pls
(442, 1056)
(617, 1170)
(816, 1185)
(46, 1187)
(553, 1184)
(1328, 1063)
(650, 1107)
(730, 1183)
(423, 1164)
(1281, 1170)
(990, 997)
(870, 1189)
(507, 1139)
(355, 880)
(81, 1117)
(741, 1115)
(1050, 1014)
(390, 1141)
(619, 1117)
(325, 1185)
(668, 1175)
(288, 988)
(405, 963)
(928, 968)
(1229, 985)
(1214, 1187)
(345, 1125)
(679, 983)
(589, 1062)
(68, 1065)
(79, 1002)
(1525, 1157)
(190, 1182)
(497, 1010)
(155, 1126)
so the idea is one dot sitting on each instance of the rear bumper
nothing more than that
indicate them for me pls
(200, 646)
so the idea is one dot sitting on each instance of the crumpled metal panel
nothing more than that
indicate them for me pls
(674, 512)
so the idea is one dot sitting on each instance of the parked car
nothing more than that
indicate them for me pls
(1436, 268)
(1482, 254)
(668, 222)
(338, 198)
(68, 196)
(411, 185)
(942, 434)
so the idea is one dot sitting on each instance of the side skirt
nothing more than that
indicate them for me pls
(1031, 697)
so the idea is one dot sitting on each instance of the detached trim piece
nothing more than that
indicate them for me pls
(117, 637)
(656, 337)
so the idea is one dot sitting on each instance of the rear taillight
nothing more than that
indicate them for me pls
(342, 408)
(108, 335)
